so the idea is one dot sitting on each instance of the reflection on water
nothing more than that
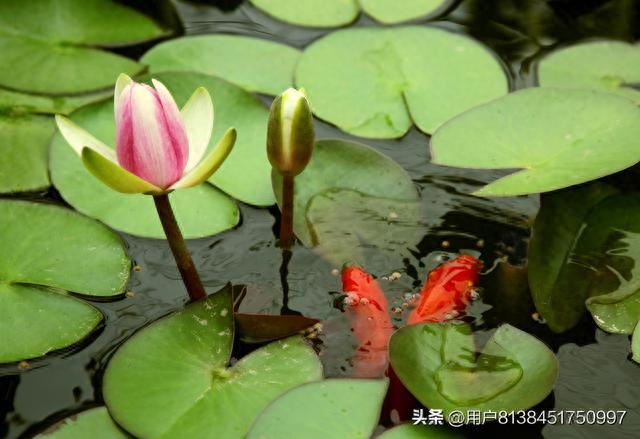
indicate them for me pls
(519, 31)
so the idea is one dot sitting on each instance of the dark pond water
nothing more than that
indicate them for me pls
(594, 372)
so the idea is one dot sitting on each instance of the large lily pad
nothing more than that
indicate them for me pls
(47, 252)
(25, 133)
(332, 167)
(344, 225)
(254, 64)
(313, 13)
(438, 363)
(94, 423)
(171, 379)
(617, 68)
(557, 137)
(351, 407)
(56, 34)
(393, 11)
(377, 82)
(586, 247)
(410, 431)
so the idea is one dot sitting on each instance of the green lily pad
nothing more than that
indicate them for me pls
(171, 379)
(410, 431)
(617, 68)
(344, 225)
(390, 78)
(47, 252)
(585, 247)
(56, 35)
(25, 134)
(557, 137)
(332, 167)
(393, 11)
(635, 344)
(438, 363)
(351, 407)
(312, 13)
(94, 423)
(254, 64)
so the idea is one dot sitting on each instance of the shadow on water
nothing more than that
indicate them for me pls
(594, 369)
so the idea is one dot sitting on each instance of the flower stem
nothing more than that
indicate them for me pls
(181, 254)
(286, 219)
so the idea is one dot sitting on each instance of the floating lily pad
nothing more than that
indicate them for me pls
(351, 407)
(410, 431)
(25, 134)
(94, 423)
(332, 166)
(344, 224)
(377, 82)
(617, 69)
(171, 379)
(393, 11)
(557, 137)
(254, 64)
(635, 344)
(56, 35)
(47, 252)
(586, 247)
(438, 363)
(312, 13)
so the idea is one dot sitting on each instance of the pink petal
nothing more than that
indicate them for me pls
(151, 141)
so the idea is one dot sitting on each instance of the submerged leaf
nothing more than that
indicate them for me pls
(260, 328)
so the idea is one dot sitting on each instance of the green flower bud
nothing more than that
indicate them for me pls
(291, 134)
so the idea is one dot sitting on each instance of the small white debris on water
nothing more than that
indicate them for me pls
(393, 215)
(224, 312)
(335, 272)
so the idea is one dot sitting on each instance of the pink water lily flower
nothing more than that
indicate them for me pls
(159, 148)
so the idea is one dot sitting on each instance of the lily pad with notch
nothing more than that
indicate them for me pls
(58, 35)
(351, 406)
(391, 78)
(254, 64)
(438, 364)
(331, 168)
(49, 256)
(173, 377)
(617, 70)
(556, 137)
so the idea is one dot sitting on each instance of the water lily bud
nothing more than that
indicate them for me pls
(151, 140)
(291, 134)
